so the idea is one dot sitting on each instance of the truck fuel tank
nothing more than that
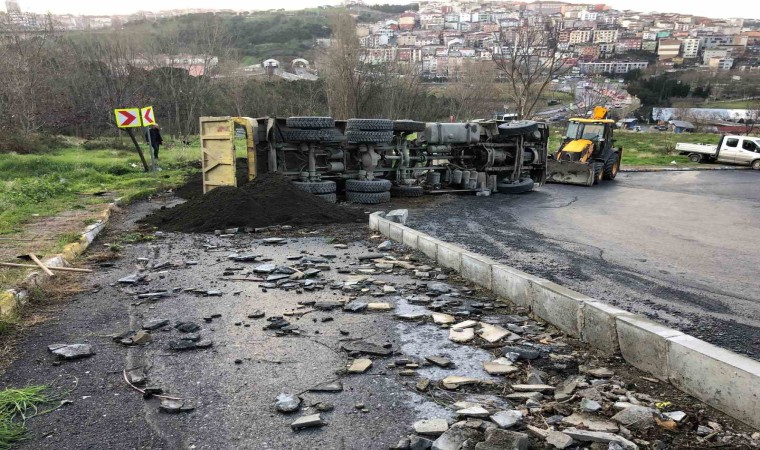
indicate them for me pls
(452, 133)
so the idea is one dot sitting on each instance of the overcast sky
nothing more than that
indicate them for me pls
(709, 8)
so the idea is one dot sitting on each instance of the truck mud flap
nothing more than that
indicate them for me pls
(570, 172)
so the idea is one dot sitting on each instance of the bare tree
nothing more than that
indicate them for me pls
(527, 61)
(342, 67)
(471, 96)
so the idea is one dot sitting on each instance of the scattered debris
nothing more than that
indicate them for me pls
(431, 427)
(360, 365)
(310, 421)
(287, 403)
(71, 351)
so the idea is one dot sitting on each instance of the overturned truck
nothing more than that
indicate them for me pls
(373, 159)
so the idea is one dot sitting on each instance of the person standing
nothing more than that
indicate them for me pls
(153, 137)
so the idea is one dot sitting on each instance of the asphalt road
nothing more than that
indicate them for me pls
(680, 247)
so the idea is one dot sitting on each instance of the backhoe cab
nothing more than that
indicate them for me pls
(586, 155)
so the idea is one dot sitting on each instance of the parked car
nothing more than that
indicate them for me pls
(731, 149)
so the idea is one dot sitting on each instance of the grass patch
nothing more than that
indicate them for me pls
(647, 148)
(134, 238)
(46, 184)
(16, 406)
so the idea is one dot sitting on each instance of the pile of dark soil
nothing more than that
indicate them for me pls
(270, 199)
(193, 186)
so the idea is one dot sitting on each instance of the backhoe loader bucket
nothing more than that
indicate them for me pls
(570, 172)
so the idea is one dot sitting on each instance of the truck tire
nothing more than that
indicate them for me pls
(303, 135)
(518, 187)
(330, 198)
(310, 123)
(368, 198)
(598, 172)
(611, 167)
(408, 126)
(518, 128)
(369, 137)
(317, 187)
(368, 185)
(695, 157)
(333, 135)
(370, 124)
(407, 191)
(756, 164)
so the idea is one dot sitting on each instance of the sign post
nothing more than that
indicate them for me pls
(128, 118)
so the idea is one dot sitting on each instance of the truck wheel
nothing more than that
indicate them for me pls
(368, 198)
(756, 164)
(330, 198)
(518, 127)
(408, 126)
(369, 137)
(310, 123)
(518, 187)
(598, 172)
(695, 157)
(317, 187)
(303, 135)
(611, 167)
(368, 185)
(370, 124)
(407, 191)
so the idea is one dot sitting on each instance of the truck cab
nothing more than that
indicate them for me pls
(744, 150)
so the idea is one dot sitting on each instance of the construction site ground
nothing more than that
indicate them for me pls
(233, 385)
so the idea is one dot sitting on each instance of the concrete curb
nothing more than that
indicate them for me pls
(682, 169)
(725, 380)
(12, 299)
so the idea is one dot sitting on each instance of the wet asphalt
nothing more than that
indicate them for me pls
(682, 248)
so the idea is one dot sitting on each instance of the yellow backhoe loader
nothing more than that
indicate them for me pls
(587, 154)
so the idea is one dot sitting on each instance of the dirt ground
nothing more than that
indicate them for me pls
(233, 385)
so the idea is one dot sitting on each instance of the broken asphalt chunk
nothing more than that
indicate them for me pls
(332, 386)
(132, 279)
(360, 365)
(71, 351)
(598, 436)
(366, 348)
(155, 324)
(182, 345)
(526, 353)
(508, 418)
(187, 327)
(310, 421)
(431, 427)
(454, 381)
(439, 361)
(287, 403)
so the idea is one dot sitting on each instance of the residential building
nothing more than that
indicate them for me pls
(407, 21)
(714, 53)
(690, 47)
(605, 36)
(668, 48)
(615, 67)
(579, 36)
(721, 63)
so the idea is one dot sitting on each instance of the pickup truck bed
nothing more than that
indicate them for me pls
(703, 149)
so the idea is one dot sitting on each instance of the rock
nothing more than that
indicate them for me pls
(474, 411)
(498, 439)
(411, 316)
(141, 337)
(355, 306)
(499, 366)
(461, 336)
(601, 372)
(532, 387)
(265, 268)
(369, 256)
(590, 422)
(333, 386)
(328, 305)
(310, 421)
(431, 427)
(71, 351)
(258, 314)
(366, 348)
(398, 216)
(287, 403)
(439, 361)
(507, 419)
(565, 390)
(678, 416)
(597, 436)
(443, 319)
(273, 241)
(466, 324)
(155, 324)
(419, 300)
(559, 440)
(360, 365)
(204, 343)
(324, 407)
(523, 396)
(379, 306)
(591, 394)
(493, 333)
(422, 385)
(454, 381)
(441, 288)
(454, 438)
(340, 246)
(388, 289)
(171, 406)
(187, 327)
(635, 417)
(419, 443)
(525, 353)
(402, 444)
(385, 246)
(589, 405)
(132, 279)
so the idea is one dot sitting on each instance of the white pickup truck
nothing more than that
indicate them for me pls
(743, 150)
